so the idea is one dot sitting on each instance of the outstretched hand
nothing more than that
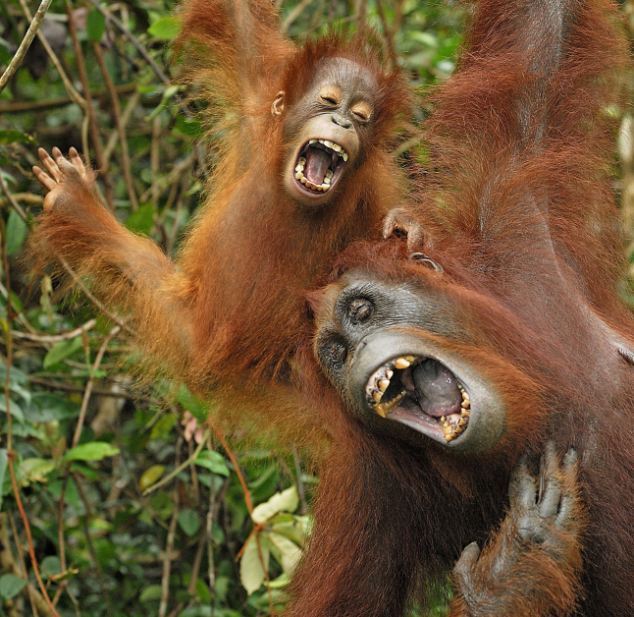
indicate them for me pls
(59, 169)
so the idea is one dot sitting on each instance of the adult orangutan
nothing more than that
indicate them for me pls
(505, 333)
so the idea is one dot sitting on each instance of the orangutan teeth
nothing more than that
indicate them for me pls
(329, 177)
(320, 188)
(331, 145)
(384, 409)
(454, 425)
(383, 394)
(404, 362)
(465, 404)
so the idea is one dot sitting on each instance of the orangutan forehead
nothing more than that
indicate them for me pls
(347, 75)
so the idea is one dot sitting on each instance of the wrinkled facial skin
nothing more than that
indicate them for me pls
(380, 345)
(327, 131)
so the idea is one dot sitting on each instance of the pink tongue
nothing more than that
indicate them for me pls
(317, 163)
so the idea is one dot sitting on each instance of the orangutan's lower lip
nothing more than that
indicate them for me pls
(420, 389)
(319, 165)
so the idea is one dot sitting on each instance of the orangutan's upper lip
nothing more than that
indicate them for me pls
(322, 176)
(391, 389)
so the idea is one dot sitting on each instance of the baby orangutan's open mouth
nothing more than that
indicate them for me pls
(421, 392)
(319, 165)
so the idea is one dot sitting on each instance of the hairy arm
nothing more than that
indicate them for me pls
(531, 566)
(126, 271)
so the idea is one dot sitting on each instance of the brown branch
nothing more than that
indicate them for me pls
(31, 32)
(9, 439)
(125, 118)
(11, 199)
(234, 461)
(17, 107)
(102, 164)
(135, 42)
(90, 384)
(116, 113)
(68, 85)
(55, 338)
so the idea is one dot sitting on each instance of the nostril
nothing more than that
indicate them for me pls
(341, 121)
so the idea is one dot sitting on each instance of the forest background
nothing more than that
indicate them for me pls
(119, 500)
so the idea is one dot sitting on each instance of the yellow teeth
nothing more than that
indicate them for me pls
(384, 409)
(402, 363)
(454, 426)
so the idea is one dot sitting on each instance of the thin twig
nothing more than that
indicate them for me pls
(116, 113)
(236, 466)
(90, 384)
(9, 432)
(89, 109)
(34, 594)
(56, 338)
(169, 547)
(10, 198)
(135, 42)
(294, 14)
(18, 107)
(170, 476)
(31, 32)
(68, 85)
(125, 118)
(79, 283)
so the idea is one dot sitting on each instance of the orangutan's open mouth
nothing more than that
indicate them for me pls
(422, 393)
(319, 165)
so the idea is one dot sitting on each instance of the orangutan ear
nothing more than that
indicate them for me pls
(277, 107)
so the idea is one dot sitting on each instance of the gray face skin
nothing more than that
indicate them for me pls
(329, 130)
(378, 344)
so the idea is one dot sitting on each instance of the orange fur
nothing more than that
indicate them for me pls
(525, 228)
(228, 317)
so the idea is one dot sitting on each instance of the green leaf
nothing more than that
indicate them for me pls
(142, 220)
(95, 25)
(91, 451)
(188, 126)
(151, 476)
(286, 501)
(252, 570)
(151, 593)
(214, 461)
(189, 521)
(16, 233)
(286, 552)
(60, 351)
(165, 28)
(10, 586)
(50, 566)
(197, 407)
(35, 470)
(163, 426)
(11, 136)
(293, 527)
(282, 581)
(3, 471)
